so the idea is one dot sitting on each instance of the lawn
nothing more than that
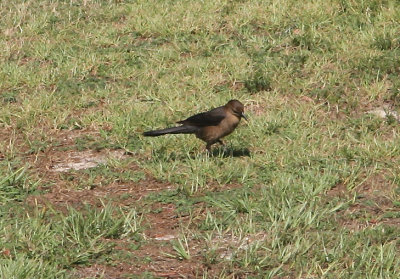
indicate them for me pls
(309, 187)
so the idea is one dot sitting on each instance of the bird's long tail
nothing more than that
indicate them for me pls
(174, 130)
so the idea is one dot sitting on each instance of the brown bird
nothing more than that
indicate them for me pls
(208, 126)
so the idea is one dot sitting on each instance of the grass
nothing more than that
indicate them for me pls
(308, 188)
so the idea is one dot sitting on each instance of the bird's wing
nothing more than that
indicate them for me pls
(209, 118)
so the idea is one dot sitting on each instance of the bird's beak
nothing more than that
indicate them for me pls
(244, 116)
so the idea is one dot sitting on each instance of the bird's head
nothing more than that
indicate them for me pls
(237, 108)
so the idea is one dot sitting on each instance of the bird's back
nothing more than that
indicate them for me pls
(209, 118)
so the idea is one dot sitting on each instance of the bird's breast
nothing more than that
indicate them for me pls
(224, 128)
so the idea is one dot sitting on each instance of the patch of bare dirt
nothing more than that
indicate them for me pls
(163, 222)
(85, 159)
(159, 266)
(8, 140)
(256, 108)
(385, 112)
(61, 170)
(371, 204)
(156, 255)
(62, 194)
(340, 191)
(61, 167)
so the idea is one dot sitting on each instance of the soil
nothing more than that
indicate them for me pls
(163, 225)
(371, 203)
(155, 255)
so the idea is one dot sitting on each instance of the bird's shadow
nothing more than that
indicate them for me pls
(230, 152)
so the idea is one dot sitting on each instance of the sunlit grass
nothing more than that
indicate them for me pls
(308, 188)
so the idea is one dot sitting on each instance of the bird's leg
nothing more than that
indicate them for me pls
(208, 147)
(223, 145)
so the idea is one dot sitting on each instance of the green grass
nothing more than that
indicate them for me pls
(41, 242)
(308, 188)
